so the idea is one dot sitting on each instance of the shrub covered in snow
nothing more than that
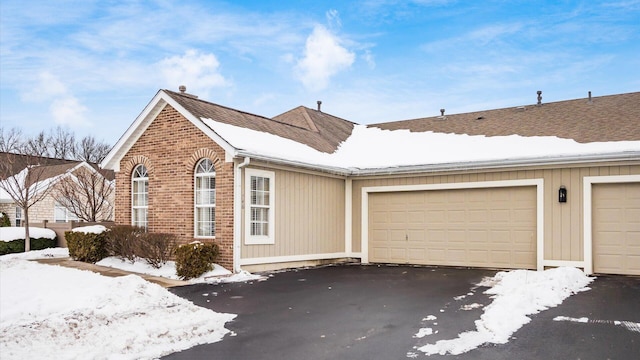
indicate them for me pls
(12, 239)
(195, 259)
(17, 246)
(87, 247)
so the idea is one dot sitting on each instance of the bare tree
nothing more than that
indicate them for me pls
(36, 146)
(86, 194)
(10, 140)
(62, 143)
(89, 150)
(26, 187)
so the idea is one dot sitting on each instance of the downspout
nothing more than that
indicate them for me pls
(237, 212)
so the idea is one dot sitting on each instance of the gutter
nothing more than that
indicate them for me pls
(237, 212)
(457, 166)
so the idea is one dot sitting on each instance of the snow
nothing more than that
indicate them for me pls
(61, 313)
(515, 294)
(362, 149)
(93, 229)
(15, 233)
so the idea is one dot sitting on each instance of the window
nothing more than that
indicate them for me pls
(18, 216)
(205, 199)
(140, 196)
(62, 214)
(259, 197)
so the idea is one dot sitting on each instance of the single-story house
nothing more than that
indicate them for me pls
(51, 171)
(534, 186)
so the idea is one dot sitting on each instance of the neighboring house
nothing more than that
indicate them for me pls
(554, 184)
(53, 172)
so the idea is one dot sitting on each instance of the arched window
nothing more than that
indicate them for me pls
(205, 199)
(139, 196)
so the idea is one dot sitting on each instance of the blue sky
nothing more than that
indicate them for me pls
(94, 65)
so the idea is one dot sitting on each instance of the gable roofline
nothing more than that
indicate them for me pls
(142, 122)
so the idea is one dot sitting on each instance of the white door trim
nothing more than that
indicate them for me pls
(538, 183)
(588, 211)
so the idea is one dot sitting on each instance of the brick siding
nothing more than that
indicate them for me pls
(170, 148)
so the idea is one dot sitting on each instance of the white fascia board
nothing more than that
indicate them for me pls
(499, 164)
(142, 122)
(133, 133)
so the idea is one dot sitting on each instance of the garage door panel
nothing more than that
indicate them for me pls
(616, 228)
(467, 227)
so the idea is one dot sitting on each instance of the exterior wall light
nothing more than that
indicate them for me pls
(562, 194)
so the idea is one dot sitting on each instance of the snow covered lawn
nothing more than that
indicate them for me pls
(61, 313)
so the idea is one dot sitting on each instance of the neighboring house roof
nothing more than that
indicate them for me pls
(603, 118)
(49, 170)
(606, 127)
(18, 162)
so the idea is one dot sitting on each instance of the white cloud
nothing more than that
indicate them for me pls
(68, 110)
(199, 72)
(324, 57)
(368, 58)
(64, 108)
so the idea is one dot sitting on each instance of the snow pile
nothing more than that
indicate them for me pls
(94, 229)
(15, 233)
(61, 313)
(402, 147)
(516, 294)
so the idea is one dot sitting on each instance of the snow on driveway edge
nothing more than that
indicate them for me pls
(515, 294)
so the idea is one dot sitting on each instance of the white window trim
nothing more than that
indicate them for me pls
(259, 239)
(133, 207)
(68, 215)
(19, 216)
(195, 201)
(587, 208)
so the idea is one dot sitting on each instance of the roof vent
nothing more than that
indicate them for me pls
(539, 97)
(590, 100)
(442, 117)
(480, 118)
(319, 105)
(183, 91)
(441, 112)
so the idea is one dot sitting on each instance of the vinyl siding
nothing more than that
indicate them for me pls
(563, 223)
(309, 215)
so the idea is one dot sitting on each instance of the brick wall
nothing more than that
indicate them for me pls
(170, 148)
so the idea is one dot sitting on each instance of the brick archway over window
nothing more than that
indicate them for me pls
(204, 153)
(135, 161)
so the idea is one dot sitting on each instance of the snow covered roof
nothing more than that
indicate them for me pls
(596, 119)
(313, 139)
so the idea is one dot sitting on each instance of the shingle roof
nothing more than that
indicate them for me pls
(17, 162)
(318, 130)
(604, 118)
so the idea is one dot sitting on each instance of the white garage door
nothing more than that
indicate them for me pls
(494, 227)
(616, 228)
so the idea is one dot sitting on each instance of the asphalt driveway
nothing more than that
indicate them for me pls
(374, 312)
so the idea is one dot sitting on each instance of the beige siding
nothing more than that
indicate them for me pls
(309, 211)
(616, 228)
(563, 225)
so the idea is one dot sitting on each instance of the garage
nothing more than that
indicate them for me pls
(479, 227)
(616, 228)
